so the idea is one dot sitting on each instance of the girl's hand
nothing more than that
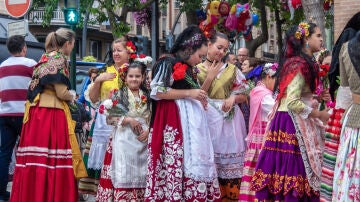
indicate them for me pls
(143, 137)
(135, 125)
(228, 103)
(197, 94)
(110, 120)
(200, 95)
(324, 115)
(213, 70)
(105, 77)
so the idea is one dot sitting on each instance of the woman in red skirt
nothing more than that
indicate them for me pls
(181, 163)
(48, 158)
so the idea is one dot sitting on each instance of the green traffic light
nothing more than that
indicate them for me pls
(71, 16)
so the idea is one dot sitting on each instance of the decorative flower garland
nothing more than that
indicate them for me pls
(302, 31)
(144, 59)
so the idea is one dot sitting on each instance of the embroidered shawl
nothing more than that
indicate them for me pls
(52, 68)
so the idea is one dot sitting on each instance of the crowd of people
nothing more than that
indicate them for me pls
(201, 124)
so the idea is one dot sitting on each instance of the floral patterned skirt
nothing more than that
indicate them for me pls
(347, 168)
(167, 178)
(280, 172)
(107, 192)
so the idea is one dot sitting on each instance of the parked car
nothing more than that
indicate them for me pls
(82, 78)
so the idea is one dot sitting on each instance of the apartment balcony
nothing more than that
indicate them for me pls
(36, 18)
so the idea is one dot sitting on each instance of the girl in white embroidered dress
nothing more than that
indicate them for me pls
(123, 176)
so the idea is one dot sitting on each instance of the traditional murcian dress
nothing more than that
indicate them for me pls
(123, 175)
(346, 185)
(261, 103)
(181, 158)
(227, 129)
(289, 164)
(332, 141)
(48, 157)
(98, 137)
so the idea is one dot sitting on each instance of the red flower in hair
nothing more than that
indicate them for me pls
(179, 71)
(130, 47)
(133, 56)
(142, 56)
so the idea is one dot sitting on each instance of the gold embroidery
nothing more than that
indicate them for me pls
(277, 183)
(282, 137)
(281, 150)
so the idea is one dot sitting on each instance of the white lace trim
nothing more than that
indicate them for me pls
(87, 96)
(343, 98)
(306, 111)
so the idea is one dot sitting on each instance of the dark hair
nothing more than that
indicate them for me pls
(93, 70)
(354, 22)
(226, 57)
(55, 40)
(348, 32)
(189, 40)
(293, 47)
(15, 44)
(322, 55)
(253, 62)
(142, 67)
(213, 37)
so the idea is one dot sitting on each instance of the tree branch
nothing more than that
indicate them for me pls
(263, 37)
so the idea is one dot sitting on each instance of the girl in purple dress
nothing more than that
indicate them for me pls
(289, 165)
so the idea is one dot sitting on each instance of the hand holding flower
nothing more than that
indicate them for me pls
(228, 103)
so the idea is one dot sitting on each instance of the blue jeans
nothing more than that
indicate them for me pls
(10, 129)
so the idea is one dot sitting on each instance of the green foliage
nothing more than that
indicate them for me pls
(329, 19)
(89, 58)
(187, 5)
(51, 5)
(121, 29)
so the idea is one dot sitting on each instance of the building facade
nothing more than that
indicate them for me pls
(343, 11)
(99, 36)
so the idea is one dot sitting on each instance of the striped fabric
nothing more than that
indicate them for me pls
(332, 137)
(251, 157)
(15, 75)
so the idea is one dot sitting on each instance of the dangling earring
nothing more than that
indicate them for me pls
(307, 44)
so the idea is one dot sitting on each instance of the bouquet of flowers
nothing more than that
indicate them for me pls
(179, 73)
(112, 107)
(324, 84)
